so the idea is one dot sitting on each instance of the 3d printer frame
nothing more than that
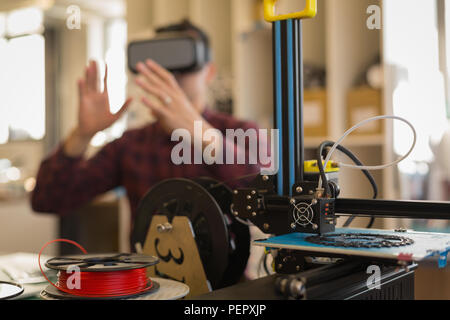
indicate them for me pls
(286, 203)
(274, 203)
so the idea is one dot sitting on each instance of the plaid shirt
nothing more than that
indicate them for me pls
(136, 161)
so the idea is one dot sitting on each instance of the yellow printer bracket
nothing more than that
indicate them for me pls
(310, 11)
(312, 167)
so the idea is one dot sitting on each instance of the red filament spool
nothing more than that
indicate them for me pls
(105, 284)
(99, 276)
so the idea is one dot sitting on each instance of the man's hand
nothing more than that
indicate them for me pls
(94, 113)
(174, 111)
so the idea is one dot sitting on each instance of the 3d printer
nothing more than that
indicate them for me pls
(300, 206)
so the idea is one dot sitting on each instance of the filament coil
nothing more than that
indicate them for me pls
(105, 284)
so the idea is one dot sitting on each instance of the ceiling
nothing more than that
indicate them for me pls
(107, 8)
(8, 5)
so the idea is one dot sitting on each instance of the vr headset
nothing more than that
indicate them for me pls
(178, 52)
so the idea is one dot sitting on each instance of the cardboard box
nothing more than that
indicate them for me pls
(432, 283)
(315, 113)
(364, 103)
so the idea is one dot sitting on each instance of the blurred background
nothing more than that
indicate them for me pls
(362, 58)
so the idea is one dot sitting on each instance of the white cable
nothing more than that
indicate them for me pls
(260, 264)
(380, 167)
(244, 222)
(247, 223)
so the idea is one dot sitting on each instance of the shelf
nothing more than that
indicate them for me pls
(375, 140)
(365, 140)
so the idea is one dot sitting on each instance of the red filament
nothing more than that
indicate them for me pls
(105, 284)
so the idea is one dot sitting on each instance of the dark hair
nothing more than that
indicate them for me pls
(187, 26)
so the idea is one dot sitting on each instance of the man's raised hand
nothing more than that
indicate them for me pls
(94, 113)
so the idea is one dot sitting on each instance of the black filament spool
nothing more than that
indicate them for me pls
(102, 262)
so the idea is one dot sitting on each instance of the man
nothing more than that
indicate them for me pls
(142, 157)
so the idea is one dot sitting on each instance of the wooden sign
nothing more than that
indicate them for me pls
(174, 244)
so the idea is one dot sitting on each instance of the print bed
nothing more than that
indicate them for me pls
(405, 245)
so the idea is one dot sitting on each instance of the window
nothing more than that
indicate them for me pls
(412, 54)
(22, 75)
(446, 32)
(115, 39)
